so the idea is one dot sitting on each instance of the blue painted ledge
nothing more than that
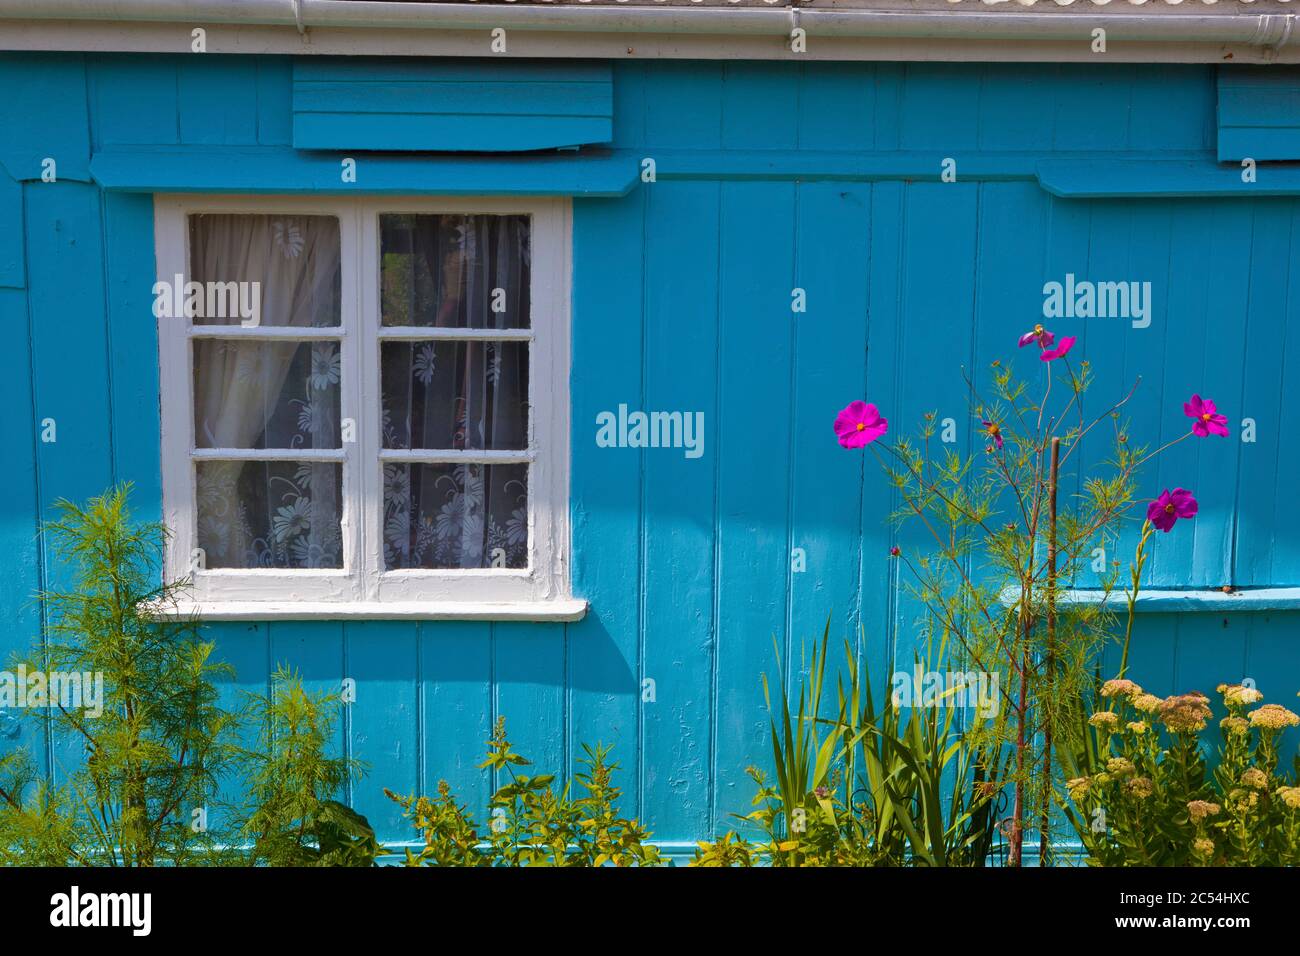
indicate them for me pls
(1163, 179)
(1175, 602)
(206, 169)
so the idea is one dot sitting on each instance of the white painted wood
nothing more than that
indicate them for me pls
(572, 609)
(539, 592)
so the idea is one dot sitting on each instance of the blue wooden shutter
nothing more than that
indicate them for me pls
(450, 105)
(1259, 113)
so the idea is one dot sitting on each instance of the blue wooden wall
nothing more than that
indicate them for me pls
(682, 301)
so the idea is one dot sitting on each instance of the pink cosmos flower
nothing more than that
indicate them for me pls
(1208, 420)
(1171, 506)
(1065, 345)
(859, 424)
(1044, 338)
(994, 432)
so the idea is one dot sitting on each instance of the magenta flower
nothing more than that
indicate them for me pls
(994, 432)
(1208, 420)
(1171, 506)
(1044, 338)
(859, 424)
(1065, 345)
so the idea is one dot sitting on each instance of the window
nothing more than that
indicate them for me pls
(365, 406)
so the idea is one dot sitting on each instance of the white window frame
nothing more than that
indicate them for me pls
(363, 588)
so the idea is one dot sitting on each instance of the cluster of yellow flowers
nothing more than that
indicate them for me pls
(1273, 717)
(1189, 713)
(1185, 713)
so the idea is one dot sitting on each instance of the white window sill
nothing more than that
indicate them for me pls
(567, 609)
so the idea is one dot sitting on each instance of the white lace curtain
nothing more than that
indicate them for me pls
(258, 394)
(455, 272)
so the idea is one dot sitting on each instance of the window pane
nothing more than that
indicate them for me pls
(279, 270)
(270, 514)
(455, 516)
(453, 395)
(257, 394)
(455, 271)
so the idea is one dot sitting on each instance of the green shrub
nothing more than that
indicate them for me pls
(531, 825)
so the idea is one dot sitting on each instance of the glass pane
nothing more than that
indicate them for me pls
(263, 270)
(270, 514)
(250, 394)
(454, 271)
(453, 395)
(455, 516)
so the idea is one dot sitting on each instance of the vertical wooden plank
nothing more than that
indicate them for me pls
(1210, 650)
(314, 650)
(1105, 344)
(940, 109)
(753, 472)
(604, 664)
(1092, 106)
(760, 105)
(69, 344)
(934, 347)
(528, 683)
(1017, 106)
(217, 100)
(13, 259)
(1258, 481)
(44, 116)
(455, 712)
(631, 82)
(274, 101)
(1208, 284)
(1156, 414)
(246, 648)
(680, 362)
(133, 349)
(1284, 556)
(20, 565)
(879, 576)
(1271, 663)
(1173, 108)
(134, 100)
(837, 105)
(383, 728)
(833, 252)
(887, 121)
(683, 104)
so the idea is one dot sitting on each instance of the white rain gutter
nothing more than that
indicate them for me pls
(1273, 30)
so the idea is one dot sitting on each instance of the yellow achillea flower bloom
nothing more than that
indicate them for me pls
(1254, 778)
(1273, 717)
(1104, 720)
(1140, 787)
(1185, 713)
(1239, 696)
(1290, 796)
(1235, 725)
(1120, 687)
(1119, 766)
(1146, 703)
(1200, 809)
